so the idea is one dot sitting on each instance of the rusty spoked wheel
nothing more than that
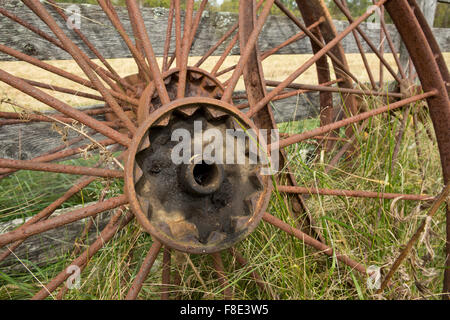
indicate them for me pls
(206, 208)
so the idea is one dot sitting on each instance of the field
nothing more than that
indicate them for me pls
(276, 67)
(372, 231)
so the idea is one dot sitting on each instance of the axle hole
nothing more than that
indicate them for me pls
(205, 174)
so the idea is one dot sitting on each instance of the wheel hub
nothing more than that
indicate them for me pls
(202, 205)
(199, 83)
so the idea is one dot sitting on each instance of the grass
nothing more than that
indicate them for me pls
(370, 231)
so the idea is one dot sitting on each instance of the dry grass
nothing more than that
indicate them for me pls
(276, 67)
(371, 231)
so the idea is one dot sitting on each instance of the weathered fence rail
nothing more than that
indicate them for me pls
(96, 26)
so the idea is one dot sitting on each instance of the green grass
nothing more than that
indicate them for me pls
(370, 231)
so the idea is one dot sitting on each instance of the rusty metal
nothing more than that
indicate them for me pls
(165, 65)
(357, 118)
(428, 32)
(75, 215)
(153, 65)
(313, 242)
(204, 221)
(84, 82)
(112, 73)
(289, 93)
(326, 88)
(66, 153)
(218, 43)
(153, 101)
(220, 271)
(372, 46)
(63, 107)
(225, 54)
(274, 50)
(102, 73)
(248, 50)
(144, 271)
(309, 63)
(363, 54)
(112, 15)
(61, 168)
(254, 81)
(185, 48)
(354, 193)
(199, 84)
(178, 40)
(165, 277)
(439, 106)
(78, 186)
(328, 31)
(117, 222)
(81, 60)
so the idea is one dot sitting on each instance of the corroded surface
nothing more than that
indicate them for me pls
(201, 206)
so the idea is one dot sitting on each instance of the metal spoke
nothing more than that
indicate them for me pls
(287, 94)
(63, 90)
(325, 88)
(313, 242)
(144, 271)
(112, 15)
(102, 73)
(342, 70)
(165, 66)
(59, 168)
(225, 54)
(227, 95)
(363, 54)
(360, 117)
(367, 39)
(75, 215)
(45, 213)
(220, 271)
(65, 153)
(63, 108)
(178, 40)
(166, 274)
(154, 68)
(114, 225)
(308, 64)
(272, 51)
(76, 53)
(196, 23)
(218, 43)
(114, 75)
(353, 193)
(48, 67)
(185, 47)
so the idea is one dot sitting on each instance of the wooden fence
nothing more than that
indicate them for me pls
(96, 26)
